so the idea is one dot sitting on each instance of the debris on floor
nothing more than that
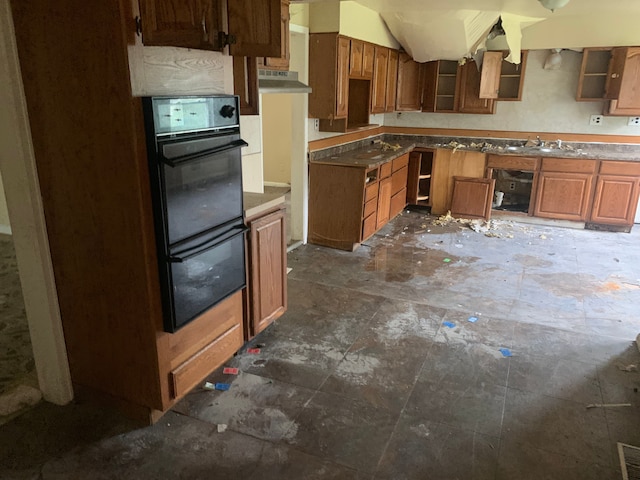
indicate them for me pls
(259, 363)
(18, 398)
(449, 324)
(608, 405)
(222, 427)
(253, 351)
(446, 260)
(223, 387)
(209, 386)
(505, 352)
(472, 319)
(230, 371)
(490, 228)
(628, 368)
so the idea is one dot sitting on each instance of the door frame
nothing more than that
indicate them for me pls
(26, 215)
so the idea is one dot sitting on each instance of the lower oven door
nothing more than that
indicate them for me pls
(201, 274)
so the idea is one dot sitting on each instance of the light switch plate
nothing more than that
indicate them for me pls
(316, 124)
(633, 121)
(596, 120)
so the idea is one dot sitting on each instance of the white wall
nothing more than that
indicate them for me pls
(548, 105)
(252, 170)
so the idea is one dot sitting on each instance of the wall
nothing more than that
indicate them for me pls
(5, 226)
(548, 105)
(251, 132)
(276, 140)
(299, 14)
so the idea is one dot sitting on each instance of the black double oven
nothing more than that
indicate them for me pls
(195, 169)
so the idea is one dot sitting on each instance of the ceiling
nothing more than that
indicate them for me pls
(451, 29)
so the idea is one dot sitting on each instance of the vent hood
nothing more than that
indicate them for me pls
(275, 81)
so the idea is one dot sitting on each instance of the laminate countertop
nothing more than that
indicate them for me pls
(367, 154)
(256, 204)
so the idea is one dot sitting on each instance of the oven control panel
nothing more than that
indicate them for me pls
(174, 115)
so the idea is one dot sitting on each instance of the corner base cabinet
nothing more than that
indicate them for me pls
(267, 272)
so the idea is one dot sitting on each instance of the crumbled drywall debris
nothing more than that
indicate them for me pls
(490, 228)
(18, 398)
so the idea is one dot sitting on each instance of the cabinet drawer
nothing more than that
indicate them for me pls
(193, 370)
(385, 170)
(369, 226)
(400, 162)
(609, 167)
(568, 165)
(370, 207)
(399, 180)
(506, 162)
(371, 192)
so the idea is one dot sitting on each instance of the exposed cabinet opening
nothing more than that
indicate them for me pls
(513, 190)
(419, 178)
(358, 112)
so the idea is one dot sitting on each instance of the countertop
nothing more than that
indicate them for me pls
(372, 155)
(258, 203)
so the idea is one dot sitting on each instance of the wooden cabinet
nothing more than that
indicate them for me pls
(419, 177)
(254, 25)
(472, 197)
(616, 193)
(512, 78)
(329, 76)
(564, 189)
(189, 24)
(361, 59)
(593, 74)
(621, 87)
(446, 165)
(409, 91)
(392, 81)
(471, 89)
(348, 204)
(267, 272)
(280, 62)
(245, 84)
(379, 84)
(452, 88)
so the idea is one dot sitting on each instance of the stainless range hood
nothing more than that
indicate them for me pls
(275, 81)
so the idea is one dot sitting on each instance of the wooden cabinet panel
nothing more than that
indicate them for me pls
(469, 92)
(490, 75)
(328, 76)
(615, 200)
(179, 23)
(384, 203)
(512, 162)
(398, 202)
(593, 75)
(512, 78)
(281, 62)
(356, 55)
(399, 180)
(379, 84)
(369, 226)
(268, 270)
(245, 84)
(400, 162)
(342, 76)
(612, 167)
(371, 206)
(392, 81)
(371, 192)
(409, 92)
(446, 165)
(569, 165)
(622, 81)
(385, 169)
(472, 197)
(368, 54)
(256, 26)
(441, 86)
(563, 196)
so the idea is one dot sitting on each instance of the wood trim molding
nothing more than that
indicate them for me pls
(323, 143)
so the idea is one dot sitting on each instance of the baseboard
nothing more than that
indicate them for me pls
(276, 184)
(6, 229)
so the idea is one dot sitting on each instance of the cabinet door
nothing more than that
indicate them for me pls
(379, 90)
(392, 81)
(469, 95)
(409, 94)
(384, 203)
(472, 197)
(245, 84)
(342, 81)
(189, 24)
(564, 196)
(615, 200)
(256, 26)
(446, 165)
(490, 75)
(355, 58)
(368, 54)
(268, 270)
(282, 62)
(622, 80)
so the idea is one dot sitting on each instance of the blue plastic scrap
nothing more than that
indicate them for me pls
(473, 319)
(222, 386)
(449, 324)
(506, 352)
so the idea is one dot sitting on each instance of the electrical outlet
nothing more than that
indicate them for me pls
(633, 121)
(316, 124)
(512, 186)
(596, 120)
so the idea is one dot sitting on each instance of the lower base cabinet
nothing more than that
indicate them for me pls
(267, 271)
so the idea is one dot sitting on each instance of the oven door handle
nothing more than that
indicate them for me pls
(180, 257)
(174, 162)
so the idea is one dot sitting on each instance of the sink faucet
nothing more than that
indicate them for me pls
(539, 143)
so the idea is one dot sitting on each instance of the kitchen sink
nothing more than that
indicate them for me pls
(369, 155)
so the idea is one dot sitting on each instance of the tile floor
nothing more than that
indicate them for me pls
(375, 371)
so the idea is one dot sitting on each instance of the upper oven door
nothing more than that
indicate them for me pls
(201, 182)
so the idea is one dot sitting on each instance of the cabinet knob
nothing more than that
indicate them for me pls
(615, 75)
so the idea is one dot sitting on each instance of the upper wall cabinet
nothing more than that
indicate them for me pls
(392, 81)
(254, 27)
(593, 74)
(361, 59)
(281, 62)
(379, 84)
(512, 78)
(190, 23)
(622, 81)
(440, 86)
(409, 91)
(472, 89)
